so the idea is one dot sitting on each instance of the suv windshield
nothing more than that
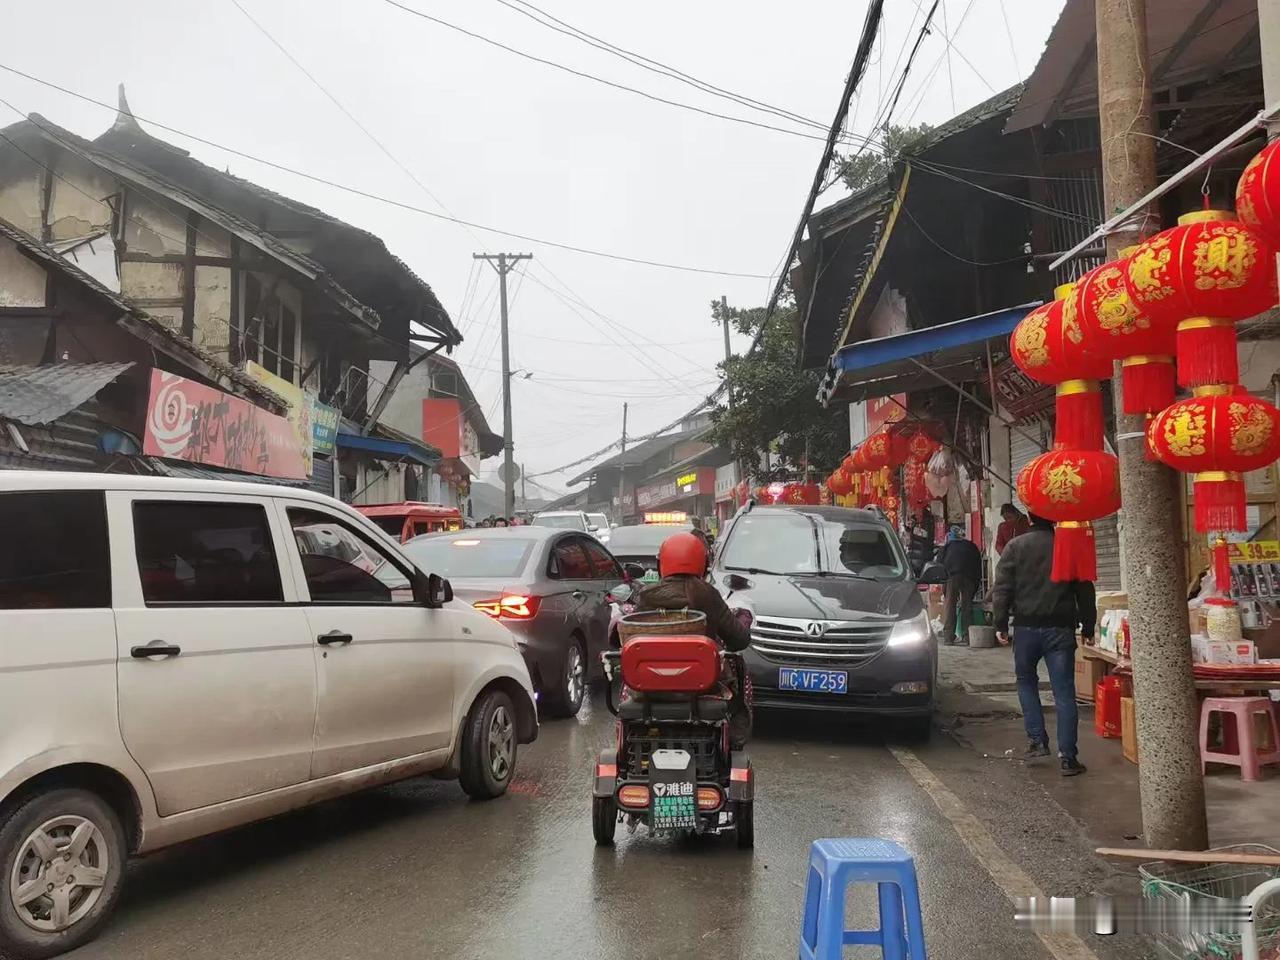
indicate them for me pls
(599, 519)
(806, 544)
(562, 521)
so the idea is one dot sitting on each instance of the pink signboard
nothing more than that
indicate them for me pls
(189, 421)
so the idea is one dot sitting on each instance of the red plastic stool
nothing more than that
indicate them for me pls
(1239, 745)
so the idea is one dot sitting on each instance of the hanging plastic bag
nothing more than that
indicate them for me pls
(940, 474)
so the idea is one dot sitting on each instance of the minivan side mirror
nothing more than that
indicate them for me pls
(621, 593)
(592, 528)
(932, 573)
(433, 591)
(634, 571)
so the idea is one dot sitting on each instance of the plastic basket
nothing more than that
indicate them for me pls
(1218, 881)
(662, 623)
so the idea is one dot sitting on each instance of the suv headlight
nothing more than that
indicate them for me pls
(911, 633)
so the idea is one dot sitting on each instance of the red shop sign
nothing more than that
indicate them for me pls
(189, 421)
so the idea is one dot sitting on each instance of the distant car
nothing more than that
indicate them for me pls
(639, 544)
(408, 519)
(550, 586)
(599, 526)
(564, 520)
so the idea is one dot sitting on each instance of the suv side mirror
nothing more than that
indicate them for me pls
(434, 591)
(634, 571)
(736, 581)
(933, 573)
(621, 593)
(592, 528)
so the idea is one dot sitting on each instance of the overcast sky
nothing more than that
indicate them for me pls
(518, 145)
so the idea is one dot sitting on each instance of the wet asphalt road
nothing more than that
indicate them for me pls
(417, 871)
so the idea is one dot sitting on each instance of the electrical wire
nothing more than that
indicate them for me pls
(542, 17)
(601, 80)
(399, 204)
(955, 256)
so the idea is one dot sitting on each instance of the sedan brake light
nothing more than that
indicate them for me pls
(511, 606)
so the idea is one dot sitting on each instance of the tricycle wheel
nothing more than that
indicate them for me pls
(746, 825)
(604, 820)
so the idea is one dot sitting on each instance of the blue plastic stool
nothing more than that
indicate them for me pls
(833, 865)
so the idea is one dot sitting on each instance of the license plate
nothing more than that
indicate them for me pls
(813, 681)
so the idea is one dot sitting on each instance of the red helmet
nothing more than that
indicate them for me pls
(682, 553)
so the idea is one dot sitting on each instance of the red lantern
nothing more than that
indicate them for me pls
(1116, 329)
(1071, 488)
(1201, 276)
(799, 494)
(763, 497)
(876, 450)
(1217, 434)
(1258, 194)
(1048, 345)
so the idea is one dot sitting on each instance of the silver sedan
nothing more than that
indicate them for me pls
(553, 588)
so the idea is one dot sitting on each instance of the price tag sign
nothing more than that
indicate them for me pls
(1254, 551)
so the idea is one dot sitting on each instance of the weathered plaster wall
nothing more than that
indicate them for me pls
(20, 193)
(213, 309)
(76, 204)
(150, 282)
(22, 282)
(154, 228)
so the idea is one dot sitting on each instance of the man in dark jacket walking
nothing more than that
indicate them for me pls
(1045, 616)
(963, 562)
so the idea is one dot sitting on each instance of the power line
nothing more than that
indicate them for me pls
(875, 10)
(399, 204)
(590, 76)
(540, 16)
(906, 70)
(955, 256)
(336, 102)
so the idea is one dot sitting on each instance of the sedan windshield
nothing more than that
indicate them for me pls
(801, 544)
(460, 557)
(565, 521)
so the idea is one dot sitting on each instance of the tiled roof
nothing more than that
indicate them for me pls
(150, 180)
(46, 255)
(36, 395)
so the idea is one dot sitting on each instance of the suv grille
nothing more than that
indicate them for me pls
(786, 640)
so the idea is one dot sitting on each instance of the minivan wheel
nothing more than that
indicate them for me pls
(62, 856)
(566, 699)
(489, 747)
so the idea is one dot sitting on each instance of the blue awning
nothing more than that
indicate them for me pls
(390, 449)
(889, 365)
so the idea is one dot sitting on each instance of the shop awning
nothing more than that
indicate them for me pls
(889, 365)
(390, 449)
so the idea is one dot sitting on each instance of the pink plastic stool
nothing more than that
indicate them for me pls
(1238, 741)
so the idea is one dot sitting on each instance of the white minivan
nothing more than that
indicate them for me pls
(182, 656)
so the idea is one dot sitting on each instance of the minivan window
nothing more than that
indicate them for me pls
(343, 567)
(54, 551)
(860, 548)
(782, 542)
(393, 526)
(197, 552)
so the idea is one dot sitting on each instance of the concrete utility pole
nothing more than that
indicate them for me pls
(524, 491)
(622, 468)
(728, 387)
(1172, 787)
(506, 262)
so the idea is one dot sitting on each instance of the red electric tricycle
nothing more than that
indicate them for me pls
(672, 770)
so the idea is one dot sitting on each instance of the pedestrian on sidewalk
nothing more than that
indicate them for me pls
(1045, 615)
(963, 562)
(1013, 523)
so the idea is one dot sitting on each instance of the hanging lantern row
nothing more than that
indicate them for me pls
(1075, 483)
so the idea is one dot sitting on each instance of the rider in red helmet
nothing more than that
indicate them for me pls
(682, 564)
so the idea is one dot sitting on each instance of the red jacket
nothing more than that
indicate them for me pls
(1009, 529)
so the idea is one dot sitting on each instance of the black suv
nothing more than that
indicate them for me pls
(839, 623)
